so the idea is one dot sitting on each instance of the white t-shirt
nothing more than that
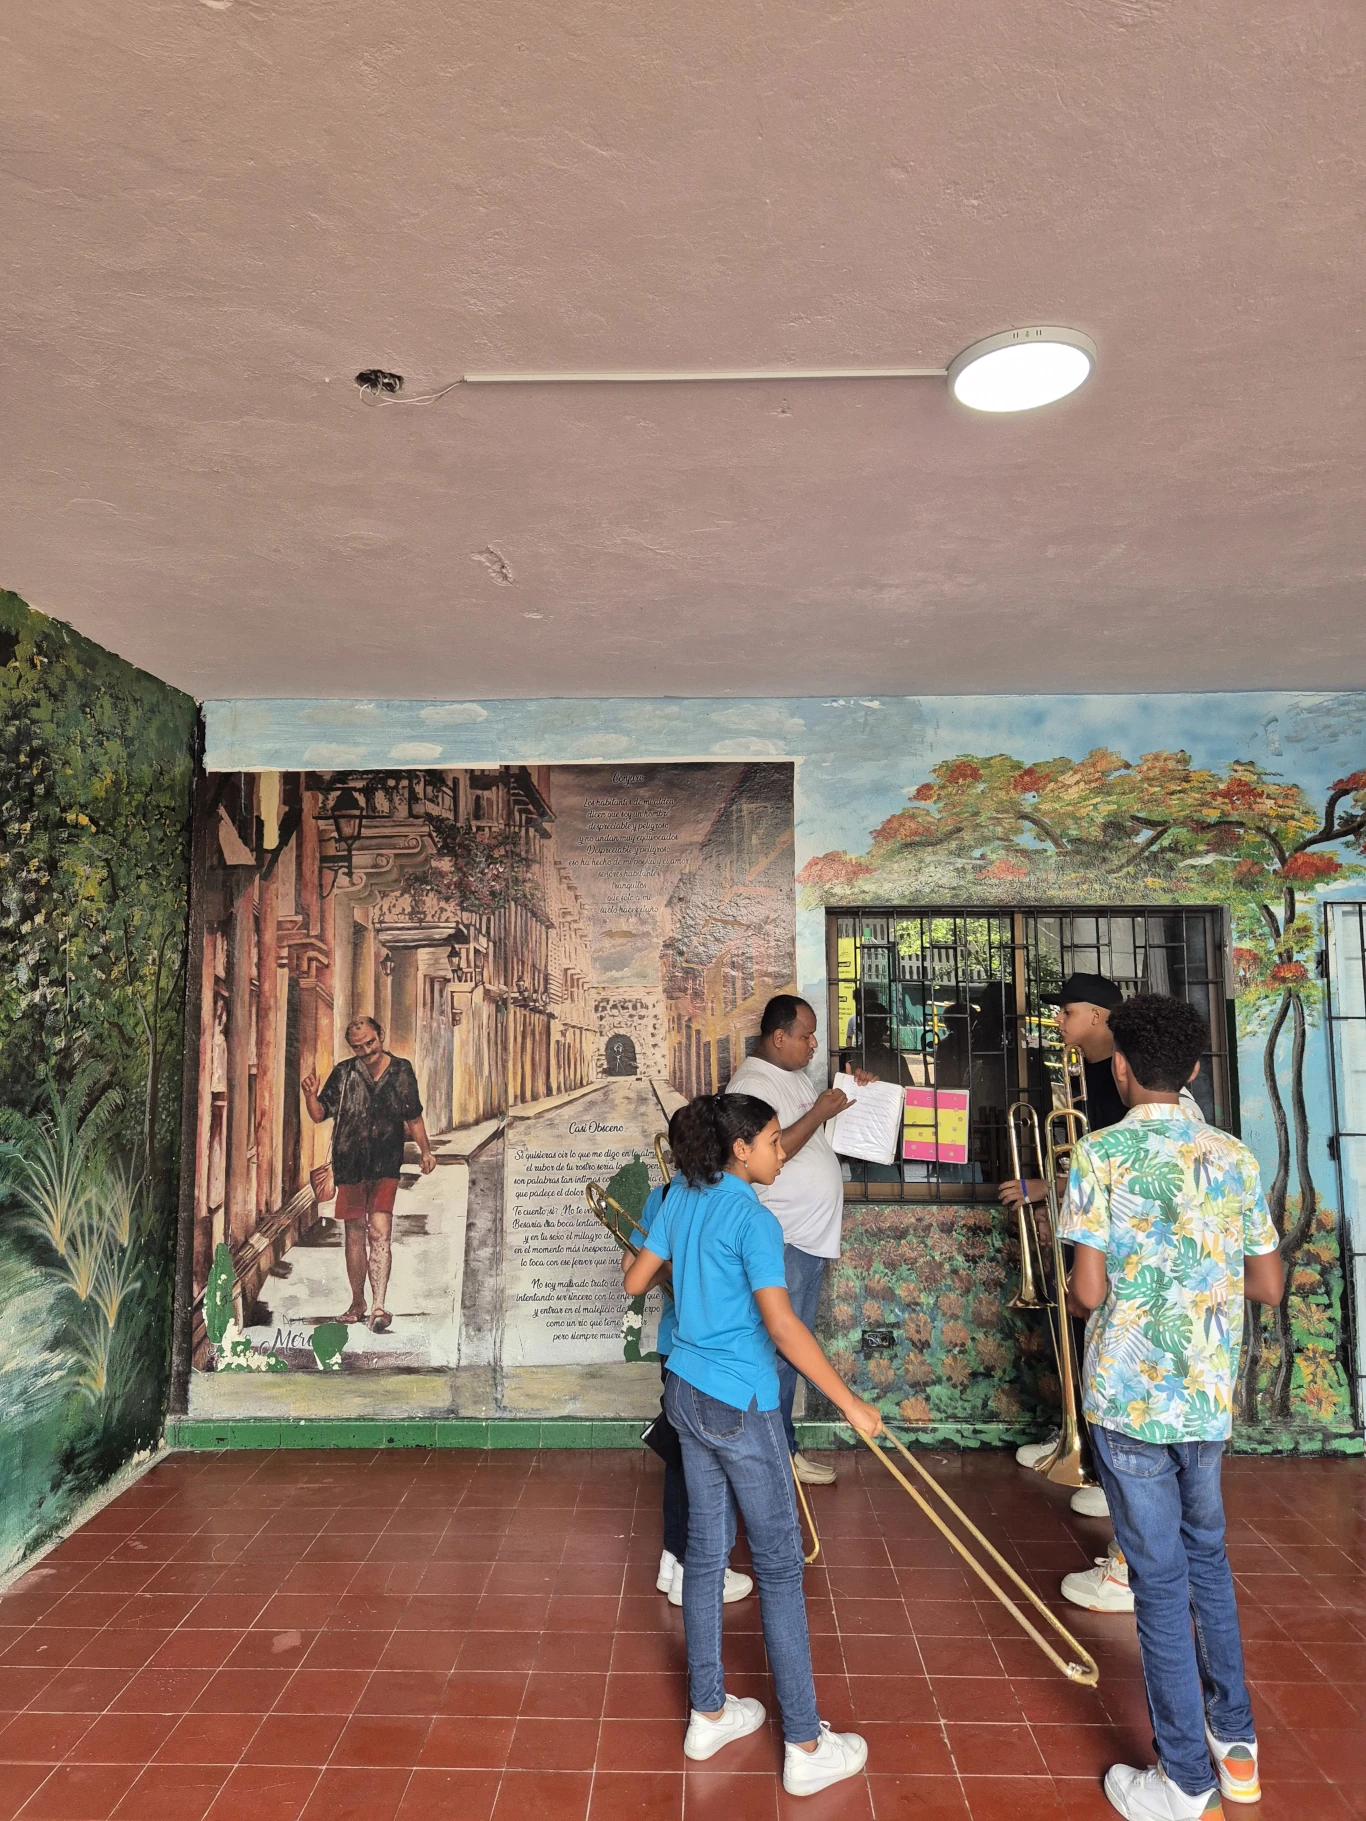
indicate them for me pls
(808, 1196)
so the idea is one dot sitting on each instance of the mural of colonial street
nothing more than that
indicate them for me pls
(1244, 812)
(543, 959)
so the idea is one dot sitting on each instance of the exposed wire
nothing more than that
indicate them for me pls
(377, 395)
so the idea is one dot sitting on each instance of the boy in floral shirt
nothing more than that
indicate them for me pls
(1171, 1231)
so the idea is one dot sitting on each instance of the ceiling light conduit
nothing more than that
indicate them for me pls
(1017, 370)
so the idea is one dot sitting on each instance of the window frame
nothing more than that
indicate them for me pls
(1022, 925)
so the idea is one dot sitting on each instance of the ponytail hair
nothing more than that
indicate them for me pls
(703, 1134)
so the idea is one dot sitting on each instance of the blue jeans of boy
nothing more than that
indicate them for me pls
(739, 1458)
(1168, 1514)
(805, 1274)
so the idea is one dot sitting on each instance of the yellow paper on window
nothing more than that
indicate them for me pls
(936, 1125)
(846, 964)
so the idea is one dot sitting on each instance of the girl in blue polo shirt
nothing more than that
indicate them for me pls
(733, 1317)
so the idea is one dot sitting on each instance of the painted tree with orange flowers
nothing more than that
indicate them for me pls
(1155, 830)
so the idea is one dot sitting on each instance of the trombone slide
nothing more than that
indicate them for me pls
(604, 1207)
(1028, 1295)
(1063, 1464)
(810, 1521)
(1081, 1666)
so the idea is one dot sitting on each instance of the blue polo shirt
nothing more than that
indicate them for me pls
(724, 1245)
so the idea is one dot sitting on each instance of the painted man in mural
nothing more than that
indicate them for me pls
(374, 1100)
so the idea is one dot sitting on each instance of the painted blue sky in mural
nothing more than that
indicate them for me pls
(859, 755)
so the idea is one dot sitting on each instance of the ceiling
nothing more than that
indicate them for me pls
(218, 211)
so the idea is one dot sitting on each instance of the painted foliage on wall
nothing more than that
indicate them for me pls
(95, 778)
(994, 801)
(1156, 829)
(552, 955)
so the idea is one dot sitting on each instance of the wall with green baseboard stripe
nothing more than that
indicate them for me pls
(506, 1432)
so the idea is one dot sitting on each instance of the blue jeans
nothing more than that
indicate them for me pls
(737, 1458)
(1168, 1515)
(805, 1275)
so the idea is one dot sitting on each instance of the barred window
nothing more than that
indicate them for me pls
(957, 999)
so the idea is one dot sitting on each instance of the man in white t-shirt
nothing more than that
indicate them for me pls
(808, 1195)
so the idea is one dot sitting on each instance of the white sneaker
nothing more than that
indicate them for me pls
(665, 1578)
(1033, 1452)
(739, 1717)
(1090, 1501)
(813, 1473)
(1150, 1795)
(1236, 1762)
(733, 1588)
(838, 1755)
(1104, 1588)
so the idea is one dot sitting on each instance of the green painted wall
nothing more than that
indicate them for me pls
(96, 767)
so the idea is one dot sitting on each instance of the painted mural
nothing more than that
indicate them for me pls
(1157, 829)
(95, 782)
(435, 1004)
(1256, 803)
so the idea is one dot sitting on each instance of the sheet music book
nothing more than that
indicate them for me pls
(869, 1130)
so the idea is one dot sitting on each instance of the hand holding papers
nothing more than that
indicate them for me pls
(870, 1129)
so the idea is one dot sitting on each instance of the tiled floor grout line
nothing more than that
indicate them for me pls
(627, 1515)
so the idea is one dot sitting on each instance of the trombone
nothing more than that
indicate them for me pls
(1063, 1464)
(623, 1226)
(1029, 1295)
(666, 1171)
(1081, 1667)
(1073, 1079)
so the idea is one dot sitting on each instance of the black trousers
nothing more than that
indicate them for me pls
(675, 1501)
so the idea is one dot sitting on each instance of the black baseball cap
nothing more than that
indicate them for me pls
(1086, 989)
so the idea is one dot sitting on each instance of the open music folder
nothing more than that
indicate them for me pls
(871, 1129)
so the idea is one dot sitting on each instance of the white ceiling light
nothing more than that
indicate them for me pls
(1017, 370)
(1022, 369)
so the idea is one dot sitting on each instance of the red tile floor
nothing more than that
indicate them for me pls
(338, 1636)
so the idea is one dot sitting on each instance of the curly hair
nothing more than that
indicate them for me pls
(1160, 1038)
(703, 1134)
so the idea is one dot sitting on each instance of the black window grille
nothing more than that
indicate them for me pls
(957, 999)
(1346, 973)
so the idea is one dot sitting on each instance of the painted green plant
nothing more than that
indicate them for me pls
(967, 1368)
(95, 787)
(233, 1352)
(629, 1189)
(87, 1217)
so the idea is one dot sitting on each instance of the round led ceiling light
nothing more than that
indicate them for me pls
(1022, 369)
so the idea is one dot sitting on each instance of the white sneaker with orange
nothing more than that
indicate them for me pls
(1236, 1762)
(1150, 1795)
(1104, 1588)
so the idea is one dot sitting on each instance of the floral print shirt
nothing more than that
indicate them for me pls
(1175, 1205)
